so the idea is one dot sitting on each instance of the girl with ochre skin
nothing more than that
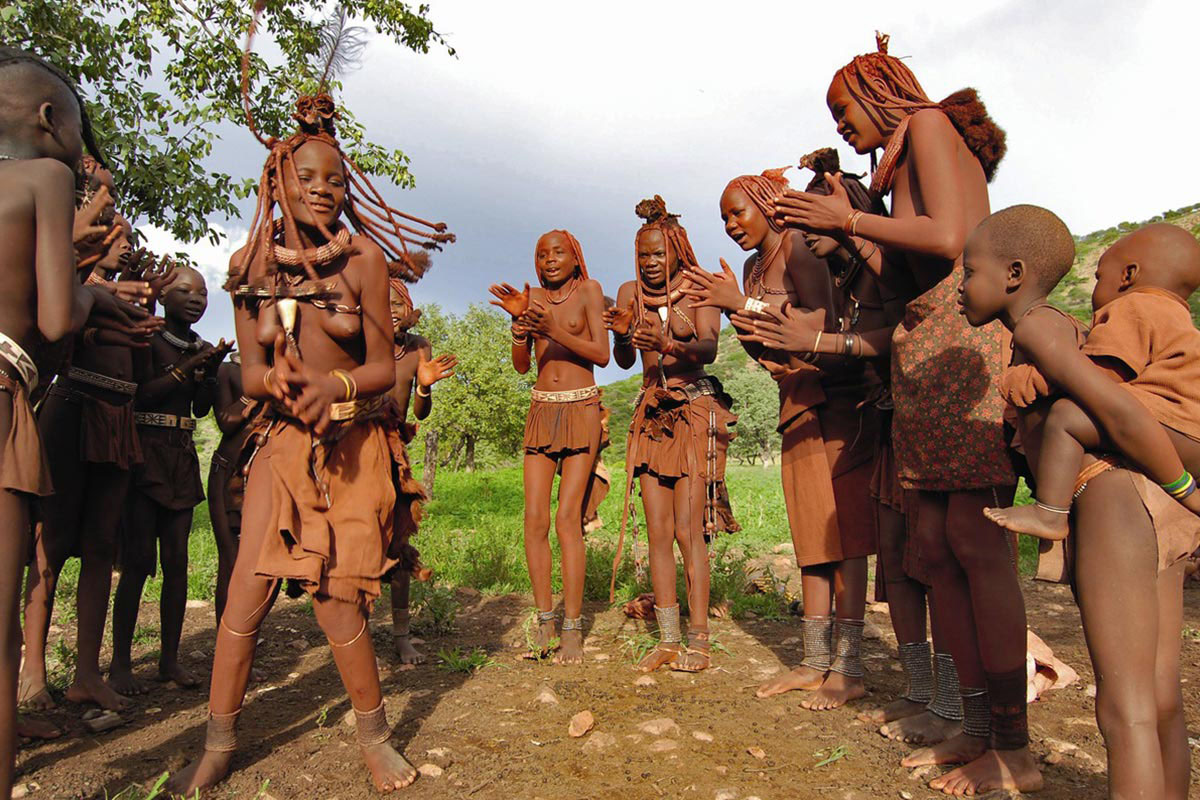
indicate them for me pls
(680, 431)
(416, 373)
(828, 445)
(947, 427)
(1130, 540)
(854, 264)
(178, 384)
(315, 335)
(562, 319)
(233, 411)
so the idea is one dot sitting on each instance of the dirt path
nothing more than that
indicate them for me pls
(485, 735)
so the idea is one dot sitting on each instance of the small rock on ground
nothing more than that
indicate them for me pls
(659, 727)
(702, 736)
(645, 680)
(430, 770)
(598, 742)
(663, 745)
(757, 752)
(580, 724)
(547, 695)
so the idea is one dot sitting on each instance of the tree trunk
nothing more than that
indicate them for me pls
(767, 455)
(431, 455)
(451, 458)
(470, 454)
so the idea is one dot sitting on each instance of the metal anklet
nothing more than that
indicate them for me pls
(372, 726)
(1052, 509)
(572, 623)
(977, 713)
(916, 659)
(547, 616)
(848, 656)
(221, 734)
(947, 695)
(669, 631)
(817, 633)
(401, 622)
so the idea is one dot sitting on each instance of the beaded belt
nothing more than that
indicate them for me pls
(691, 391)
(156, 420)
(569, 396)
(340, 412)
(102, 381)
(20, 360)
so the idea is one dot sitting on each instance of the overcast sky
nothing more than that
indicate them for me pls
(564, 115)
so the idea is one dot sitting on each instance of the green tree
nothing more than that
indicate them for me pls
(756, 402)
(162, 80)
(484, 405)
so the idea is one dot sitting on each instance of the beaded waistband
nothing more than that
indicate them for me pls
(102, 381)
(340, 412)
(568, 396)
(155, 420)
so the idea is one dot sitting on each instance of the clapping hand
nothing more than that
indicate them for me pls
(715, 289)
(822, 213)
(430, 372)
(507, 297)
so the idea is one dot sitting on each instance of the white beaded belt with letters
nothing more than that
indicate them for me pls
(569, 396)
(102, 381)
(156, 420)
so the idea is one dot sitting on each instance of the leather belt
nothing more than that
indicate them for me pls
(568, 396)
(340, 412)
(102, 381)
(156, 420)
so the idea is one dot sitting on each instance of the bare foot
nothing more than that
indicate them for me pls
(660, 655)
(1032, 520)
(33, 728)
(32, 694)
(571, 650)
(696, 657)
(958, 749)
(405, 650)
(123, 682)
(93, 689)
(389, 769)
(927, 728)
(835, 692)
(173, 673)
(897, 709)
(1014, 770)
(545, 641)
(203, 773)
(805, 678)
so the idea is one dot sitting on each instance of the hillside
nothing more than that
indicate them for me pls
(1074, 294)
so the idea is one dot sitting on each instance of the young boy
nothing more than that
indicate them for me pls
(1142, 337)
(181, 382)
(415, 369)
(42, 130)
(1130, 538)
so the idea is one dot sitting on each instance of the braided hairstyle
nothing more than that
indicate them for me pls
(762, 190)
(576, 250)
(12, 55)
(826, 160)
(369, 214)
(888, 91)
(678, 247)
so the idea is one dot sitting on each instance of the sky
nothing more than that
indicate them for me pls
(565, 115)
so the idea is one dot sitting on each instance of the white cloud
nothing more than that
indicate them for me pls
(213, 262)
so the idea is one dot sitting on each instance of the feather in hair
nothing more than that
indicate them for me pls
(341, 47)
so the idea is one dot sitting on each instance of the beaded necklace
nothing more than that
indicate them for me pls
(327, 253)
(182, 344)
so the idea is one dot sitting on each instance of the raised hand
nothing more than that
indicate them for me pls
(131, 291)
(789, 329)
(822, 213)
(716, 290)
(158, 273)
(507, 297)
(538, 320)
(650, 336)
(430, 372)
(90, 230)
(618, 320)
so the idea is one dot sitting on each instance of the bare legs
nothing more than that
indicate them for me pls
(401, 632)
(146, 519)
(83, 517)
(225, 535)
(674, 515)
(568, 526)
(1118, 584)
(14, 532)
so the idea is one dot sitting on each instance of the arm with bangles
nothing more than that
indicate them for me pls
(593, 344)
(940, 231)
(1050, 344)
(430, 370)
(230, 412)
(654, 338)
(619, 319)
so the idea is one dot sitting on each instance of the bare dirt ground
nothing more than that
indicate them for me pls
(487, 735)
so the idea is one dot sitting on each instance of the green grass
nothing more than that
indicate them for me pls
(456, 659)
